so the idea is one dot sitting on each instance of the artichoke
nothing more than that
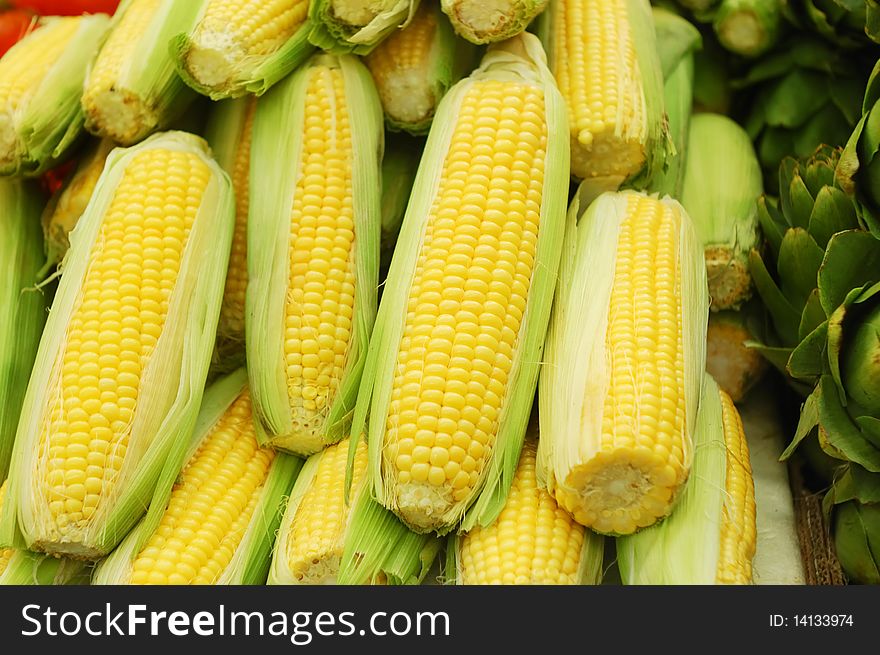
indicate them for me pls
(853, 504)
(805, 93)
(846, 23)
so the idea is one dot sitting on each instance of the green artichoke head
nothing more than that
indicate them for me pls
(854, 505)
(847, 23)
(861, 359)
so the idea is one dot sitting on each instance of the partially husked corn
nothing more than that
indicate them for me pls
(533, 540)
(625, 361)
(603, 55)
(217, 524)
(313, 239)
(452, 357)
(139, 282)
(710, 537)
(414, 67)
(41, 80)
(132, 88)
(243, 47)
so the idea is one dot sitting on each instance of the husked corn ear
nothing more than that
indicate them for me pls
(41, 80)
(487, 21)
(533, 540)
(215, 523)
(132, 88)
(415, 66)
(138, 302)
(604, 58)
(355, 26)
(454, 355)
(22, 305)
(229, 133)
(239, 47)
(313, 235)
(624, 362)
(327, 537)
(722, 184)
(710, 537)
(66, 207)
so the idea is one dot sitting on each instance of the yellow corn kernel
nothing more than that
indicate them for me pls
(5, 553)
(595, 64)
(738, 520)
(118, 317)
(533, 540)
(399, 66)
(210, 507)
(230, 32)
(633, 471)
(320, 297)
(466, 303)
(317, 533)
(232, 313)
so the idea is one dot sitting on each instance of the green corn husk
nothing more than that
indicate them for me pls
(481, 23)
(525, 560)
(211, 59)
(249, 564)
(228, 132)
(272, 191)
(722, 183)
(712, 73)
(677, 39)
(577, 374)
(748, 27)
(399, 166)
(39, 126)
(414, 68)
(736, 367)
(368, 544)
(26, 568)
(22, 306)
(143, 92)
(166, 411)
(521, 60)
(348, 26)
(611, 164)
(68, 204)
(686, 547)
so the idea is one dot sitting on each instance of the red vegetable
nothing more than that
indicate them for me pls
(66, 7)
(14, 24)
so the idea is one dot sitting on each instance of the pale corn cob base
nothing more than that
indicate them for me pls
(735, 366)
(485, 18)
(728, 276)
(357, 13)
(120, 114)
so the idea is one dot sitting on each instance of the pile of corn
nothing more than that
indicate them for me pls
(290, 339)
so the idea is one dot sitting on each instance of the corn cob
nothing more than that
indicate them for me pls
(323, 539)
(132, 88)
(312, 289)
(355, 26)
(479, 21)
(215, 521)
(624, 362)
(20, 567)
(533, 540)
(722, 184)
(399, 165)
(242, 47)
(64, 210)
(41, 80)
(710, 538)
(22, 306)
(749, 27)
(138, 302)
(229, 135)
(616, 115)
(454, 356)
(414, 67)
